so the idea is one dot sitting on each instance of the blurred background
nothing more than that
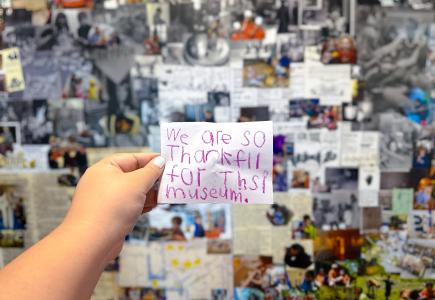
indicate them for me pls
(348, 84)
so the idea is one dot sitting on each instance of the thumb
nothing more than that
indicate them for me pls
(147, 176)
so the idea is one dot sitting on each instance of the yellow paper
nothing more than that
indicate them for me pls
(12, 71)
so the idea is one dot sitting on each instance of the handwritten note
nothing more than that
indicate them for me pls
(217, 163)
(331, 84)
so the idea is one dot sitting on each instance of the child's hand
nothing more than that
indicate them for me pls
(112, 194)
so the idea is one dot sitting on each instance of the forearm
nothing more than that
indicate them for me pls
(67, 264)
(64, 265)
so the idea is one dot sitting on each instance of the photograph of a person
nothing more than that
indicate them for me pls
(291, 46)
(423, 154)
(300, 179)
(424, 194)
(336, 210)
(266, 73)
(133, 293)
(397, 142)
(199, 113)
(251, 272)
(304, 229)
(341, 178)
(393, 79)
(13, 219)
(219, 294)
(339, 51)
(312, 4)
(68, 153)
(319, 116)
(189, 222)
(302, 107)
(219, 98)
(279, 215)
(297, 257)
(337, 245)
(252, 114)
(10, 134)
(2, 76)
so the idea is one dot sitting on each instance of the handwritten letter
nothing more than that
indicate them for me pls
(217, 163)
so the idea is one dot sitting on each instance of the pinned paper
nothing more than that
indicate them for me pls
(11, 71)
(402, 200)
(217, 163)
(369, 183)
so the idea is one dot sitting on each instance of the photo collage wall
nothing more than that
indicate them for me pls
(348, 84)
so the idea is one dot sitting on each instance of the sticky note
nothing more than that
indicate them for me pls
(217, 163)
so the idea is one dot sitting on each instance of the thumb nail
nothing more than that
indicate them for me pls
(159, 161)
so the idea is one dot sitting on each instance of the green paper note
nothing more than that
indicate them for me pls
(402, 200)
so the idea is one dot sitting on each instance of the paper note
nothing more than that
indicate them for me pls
(420, 224)
(369, 184)
(402, 200)
(369, 179)
(329, 83)
(11, 71)
(359, 148)
(368, 198)
(182, 268)
(217, 163)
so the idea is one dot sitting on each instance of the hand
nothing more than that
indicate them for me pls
(113, 193)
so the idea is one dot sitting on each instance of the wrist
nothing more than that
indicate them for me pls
(107, 230)
(101, 238)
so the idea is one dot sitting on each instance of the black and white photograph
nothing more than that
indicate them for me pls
(312, 4)
(182, 21)
(33, 117)
(386, 200)
(123, 115)
(341, 178)
(397, 142)
(390, 180)
(145, 89)
(392, 50)
(336, 210)
(68, 117)
(250, 114)
(129, 22)
(332, 16)
(291, 46)
(418, 5)
(10, 134)
(371, 219)
(42, 76)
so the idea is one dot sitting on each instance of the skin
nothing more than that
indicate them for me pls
(67, 263)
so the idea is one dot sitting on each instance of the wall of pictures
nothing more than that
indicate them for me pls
(348, 84)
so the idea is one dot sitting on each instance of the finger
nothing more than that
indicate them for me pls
(147, 176)
(128, 162)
